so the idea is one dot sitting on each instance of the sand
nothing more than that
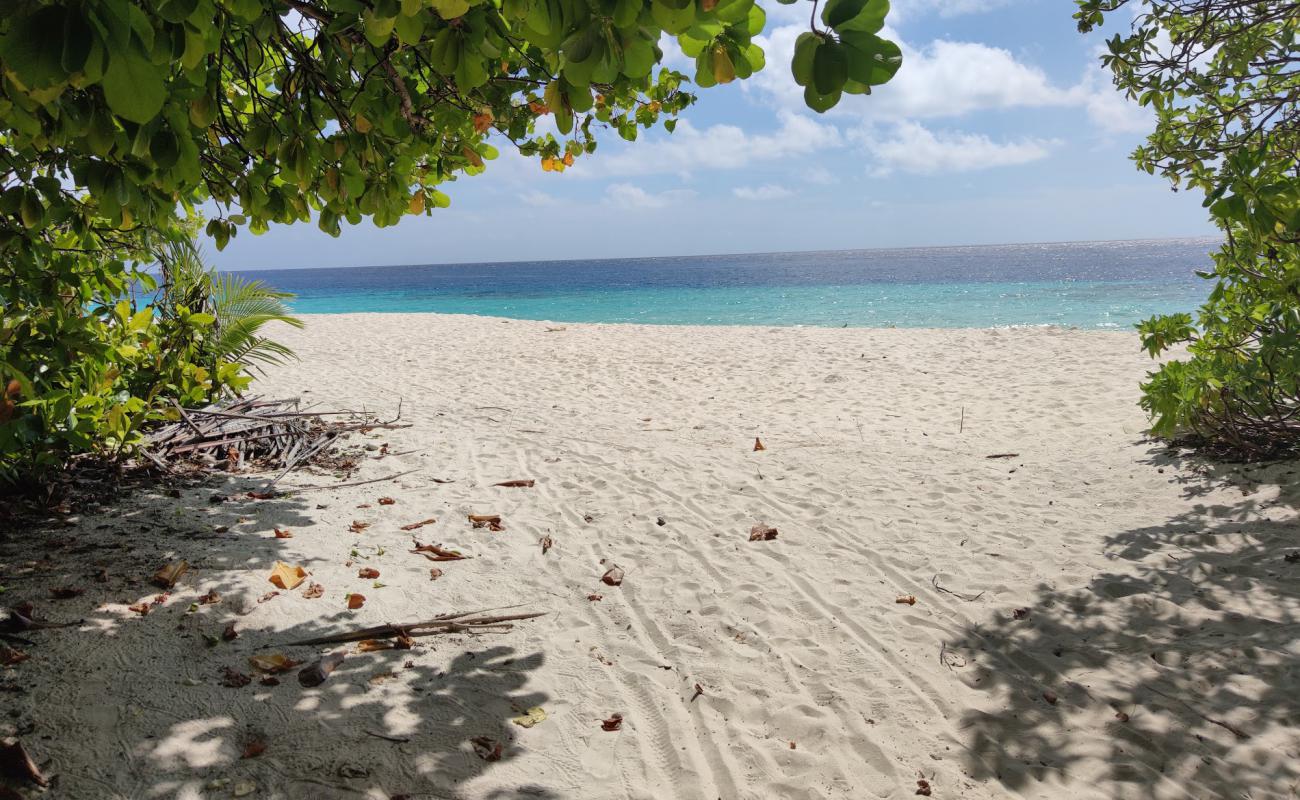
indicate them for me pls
(1158, 615)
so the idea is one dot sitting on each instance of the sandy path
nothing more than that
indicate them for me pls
(1154, 587)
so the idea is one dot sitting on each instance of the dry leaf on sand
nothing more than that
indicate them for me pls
(17, 763)
(434, 573)
(358, 526)
(906, 599)
(166, 576)
(273, 663)
(420, 524)
(287, 576)
(531, 717)
(758, 444)
(368, 573)
(613, 576)
(517, 484)
(490, 521)
(282, 533)
(762, 533)
(547, 543)
(487, 748)
(313, 591)
(593, 597)
(436, 552)
(615, 722)
(356, 601)
(254, 749)
(386, 501)
(316, 674)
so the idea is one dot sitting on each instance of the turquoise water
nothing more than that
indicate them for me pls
(1086, 285)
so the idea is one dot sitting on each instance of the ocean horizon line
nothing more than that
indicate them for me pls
(755, 253)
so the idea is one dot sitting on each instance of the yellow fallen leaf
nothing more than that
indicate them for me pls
(530, 717)
(167, 576)
(286, 576)
(272, 663)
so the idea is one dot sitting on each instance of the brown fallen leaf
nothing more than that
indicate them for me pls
(758, 444)
(261, 495)
(230, 634)
(434, 573)
(761, 533)
(140, 608)
(1050, 697)
(490, 521)
(101, 576)
(613, 576)
(317, 673)
(356, 601)
(287, 576)
(593, 597)
(17, 763)
(281, 533)
(1121, 716)
(270, 680)
(487, 748)
(358, 526)
(167, 575)
(313, 591)
(417, 525)
(233, 678)
(906, 599)
(211, 598)
(699, 690)
(923, 787)
(66, 592)
(436, 552)
(1020, 613)
(11, 655)
(386, 501)
(793, 746)
(615, 722)
(371, 645)
(254, 749)
(271, 595)
(369, 573)
(547, 543)
(273, 663)
(526, 483)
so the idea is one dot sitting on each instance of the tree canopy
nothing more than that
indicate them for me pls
(1222, 79)
(121, 119)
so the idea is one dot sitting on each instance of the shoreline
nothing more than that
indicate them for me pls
(1048, 326)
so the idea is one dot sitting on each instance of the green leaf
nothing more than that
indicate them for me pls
(830, 69)
(133, 88)
(820, 102)
(805, 51)
(867, 16)
(450, 9)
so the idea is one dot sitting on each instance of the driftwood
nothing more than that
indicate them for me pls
(272, 434)
(462, 622)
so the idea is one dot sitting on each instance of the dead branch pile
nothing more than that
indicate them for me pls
(252, 432)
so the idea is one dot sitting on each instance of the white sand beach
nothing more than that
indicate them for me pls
(1153, 655)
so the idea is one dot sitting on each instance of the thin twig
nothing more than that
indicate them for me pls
(290, 489)
(968, 598)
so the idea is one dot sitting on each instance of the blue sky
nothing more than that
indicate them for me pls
(1000, 127)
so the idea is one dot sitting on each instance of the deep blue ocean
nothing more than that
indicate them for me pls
(1080, 284)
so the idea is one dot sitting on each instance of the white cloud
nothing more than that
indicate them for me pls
(717, 147)
(910, 9)
(942, 79)
(538, 199)
(625, 195)
(768, 191)
(916, 149)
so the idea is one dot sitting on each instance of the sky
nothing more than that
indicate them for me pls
(1001, 126)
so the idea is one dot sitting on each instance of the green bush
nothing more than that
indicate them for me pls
(116, 351)
(1220, 76)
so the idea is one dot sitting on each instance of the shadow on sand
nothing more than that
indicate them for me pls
(135, 707)
(1197, 629)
